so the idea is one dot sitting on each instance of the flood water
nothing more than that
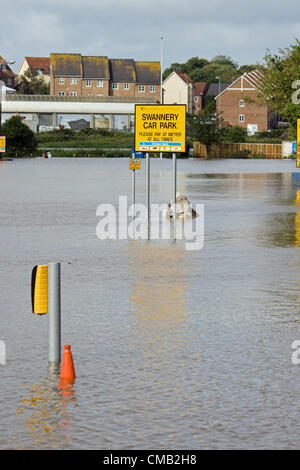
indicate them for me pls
(173, 349)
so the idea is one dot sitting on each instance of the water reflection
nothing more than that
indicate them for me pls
(47, 414)
(158, 294)
(297, 219)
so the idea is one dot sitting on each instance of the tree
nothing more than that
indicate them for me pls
(280, 88)
(203, 70)
(30, 83)
(195, 63)
(20, 140)
(225, 60)
(249, 68)
(205, 128)
(226, 73)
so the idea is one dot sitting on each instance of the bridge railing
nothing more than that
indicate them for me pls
(77, 99)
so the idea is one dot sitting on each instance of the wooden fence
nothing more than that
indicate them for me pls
(235, 150)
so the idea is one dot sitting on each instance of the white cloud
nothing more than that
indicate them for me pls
(132, 28)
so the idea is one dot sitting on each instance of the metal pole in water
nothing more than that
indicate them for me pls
(174, 194)
(133, 200)
(133, 190)
(148, 193)
(54, 307)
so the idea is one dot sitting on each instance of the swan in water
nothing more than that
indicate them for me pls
(184, 209)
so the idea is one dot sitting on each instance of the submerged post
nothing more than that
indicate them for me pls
(133, 201)
(133, 190)
(174, 194)
(148, 193)
(54, 307)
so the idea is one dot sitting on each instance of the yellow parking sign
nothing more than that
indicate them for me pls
(134, 163)
(160, 128)
(2, 144)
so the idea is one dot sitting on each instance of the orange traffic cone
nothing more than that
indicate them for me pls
(67, 373)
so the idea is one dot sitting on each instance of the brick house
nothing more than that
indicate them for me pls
(148, 79)
(95, 76)
(40, 64)
(76, 75)
(7, 76)
(122, 77)
(238, 107)
(66, 74)
(199, 93)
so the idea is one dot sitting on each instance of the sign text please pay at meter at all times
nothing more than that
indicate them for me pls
(160, 128)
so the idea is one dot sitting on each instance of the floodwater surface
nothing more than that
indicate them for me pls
(173, 349)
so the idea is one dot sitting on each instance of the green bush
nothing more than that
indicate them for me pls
(234, 134)
(20, 140)
(271, 134)
(78, 153)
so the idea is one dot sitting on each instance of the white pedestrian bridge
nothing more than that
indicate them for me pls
(99, 111)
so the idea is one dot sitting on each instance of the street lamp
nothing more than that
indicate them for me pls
(161, 75)
(5, 62)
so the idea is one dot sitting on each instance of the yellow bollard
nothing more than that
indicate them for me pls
(39, 289)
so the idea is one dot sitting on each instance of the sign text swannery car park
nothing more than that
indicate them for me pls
(160, 128)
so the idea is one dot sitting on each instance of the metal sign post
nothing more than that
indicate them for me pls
(133, 191)
(134, 164)
(174, 194)
(160, 128)
(148, 193)
(54, 350)
(46, 298)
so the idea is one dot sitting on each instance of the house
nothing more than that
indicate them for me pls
(7, 76)
(40, 64)
(66, 74)
(122, 77)
(215, 89)
(148, 79)
(77, 75)
(95, 79)
(238, 106)
(178, 89)
(5, 89)
(199, 93)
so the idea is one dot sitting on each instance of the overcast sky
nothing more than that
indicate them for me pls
(242, 29)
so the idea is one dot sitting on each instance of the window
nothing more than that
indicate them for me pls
(61, 80)
(196, 99)
(88, 83)
(100, 94)
(242, 118)
(39, 71)
(115, 86)
(242, 103)
(61, 93)
(88, 94)
(73, 93)
(100, 83)
(126, 86)
(141, 88)
(73, 81)
(152, 89)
